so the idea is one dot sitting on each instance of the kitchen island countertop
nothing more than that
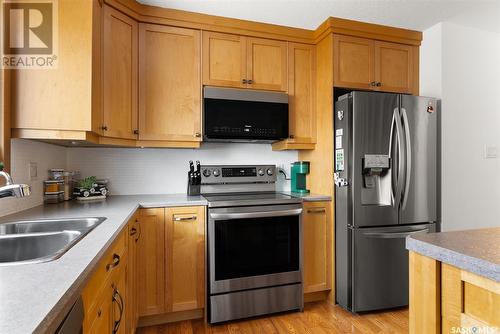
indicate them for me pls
(476, 251)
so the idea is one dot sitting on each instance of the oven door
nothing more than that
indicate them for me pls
(254, 247)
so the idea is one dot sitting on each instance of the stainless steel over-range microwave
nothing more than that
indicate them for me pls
(244, 115)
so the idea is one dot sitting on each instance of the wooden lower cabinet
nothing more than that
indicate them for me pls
(155, 267)
(134, 234)
(171, 260)
(185, 256)
(105, 295)
(151, 262)
(447, 299)
(317, 236)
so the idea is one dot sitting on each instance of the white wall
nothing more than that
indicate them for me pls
(466, 64)
(164, 171)
(23, 152)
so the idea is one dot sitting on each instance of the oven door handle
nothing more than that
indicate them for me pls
(258, 214)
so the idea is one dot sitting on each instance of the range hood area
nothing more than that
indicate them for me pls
(243, 115)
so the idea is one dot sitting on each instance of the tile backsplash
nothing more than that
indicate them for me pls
(164, 171)
(131, 171)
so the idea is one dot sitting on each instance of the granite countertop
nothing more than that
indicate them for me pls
(308, 197)
(34, 298)
(477, 251)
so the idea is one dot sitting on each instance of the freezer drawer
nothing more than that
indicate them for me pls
(380, 266)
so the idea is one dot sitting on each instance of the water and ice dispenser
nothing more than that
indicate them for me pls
(376, 188)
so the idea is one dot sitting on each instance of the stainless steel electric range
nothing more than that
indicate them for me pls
(254, 243)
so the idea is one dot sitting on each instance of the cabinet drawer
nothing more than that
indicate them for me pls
(98, 319)
(112, 261)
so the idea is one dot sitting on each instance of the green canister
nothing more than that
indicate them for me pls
(299, 171)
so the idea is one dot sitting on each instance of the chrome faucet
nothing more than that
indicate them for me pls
(13, 190)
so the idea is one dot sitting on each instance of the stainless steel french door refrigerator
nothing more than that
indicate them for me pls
(386, 188)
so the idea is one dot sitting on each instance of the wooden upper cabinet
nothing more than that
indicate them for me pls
(244, 62)
(362, 63)
(318, 258)
(120, 39)
(353, 62)
(169, 81)
(151, 262)
(224, 60)
(301, 92)
(267, 64)
(185, 254)
(394, 67)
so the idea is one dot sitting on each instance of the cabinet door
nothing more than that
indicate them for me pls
(185, 254)
(301, 92)
(151, 262)
(119, 305)
(170, 83)
(134, 235)
(353, 62)
(120, 37)
(224, 60)
(394, 67)
(101, 315)
(317, 246)
(267, 64)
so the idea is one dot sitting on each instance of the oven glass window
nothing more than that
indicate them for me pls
(256, 246)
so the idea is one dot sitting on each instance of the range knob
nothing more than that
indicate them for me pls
(261, 172)
(216, 172)
(207, 172)
(269, 171)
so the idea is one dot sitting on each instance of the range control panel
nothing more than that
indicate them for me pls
(219, 174)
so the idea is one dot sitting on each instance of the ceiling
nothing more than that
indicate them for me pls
(409, 14)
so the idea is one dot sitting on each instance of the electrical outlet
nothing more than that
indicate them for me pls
(33, 170)
(490, 152)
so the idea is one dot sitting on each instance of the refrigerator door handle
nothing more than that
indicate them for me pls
(401, 149)
(408, 158)
(391, 143)
(392, 235)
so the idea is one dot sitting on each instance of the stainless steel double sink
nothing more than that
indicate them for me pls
(43, 240)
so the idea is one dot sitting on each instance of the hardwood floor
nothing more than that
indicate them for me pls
(317, 318)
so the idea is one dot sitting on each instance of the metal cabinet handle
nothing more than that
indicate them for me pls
(116, 261)
(120, 303)
(320, 210)
(136, 132)
(197, 135)
(373, 83)
(250, 81)
(291, 136)
(133, 231)
(140, 231)
(178, 219)
(378, 84)
(244, 81)
(104, 127)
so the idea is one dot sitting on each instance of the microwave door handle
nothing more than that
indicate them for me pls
(258, 214)
(408, 158)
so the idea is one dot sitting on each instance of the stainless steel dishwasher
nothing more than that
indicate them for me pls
(73, 323)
